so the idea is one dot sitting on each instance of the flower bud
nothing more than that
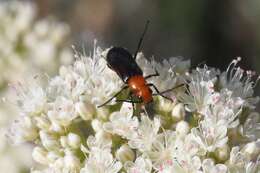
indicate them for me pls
(42, 123)
(23, 129)
(125, 153)
(102, 113)
(71, 162)
(178, 112)
(251, 150)
(73, 140)
(49, 141)
(103, 136)
(100, 139)
(85, 110)
(64, 141)
(165, 105)
(182, 128)
(52, 156)
(222, 153)
(56, 128)
(59, 163)
(96, 125)
(40, 155)
(28, 129)
(63, 112)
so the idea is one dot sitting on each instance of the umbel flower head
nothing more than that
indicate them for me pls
(206, 129)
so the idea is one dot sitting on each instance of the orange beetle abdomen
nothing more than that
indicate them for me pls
(138, 86)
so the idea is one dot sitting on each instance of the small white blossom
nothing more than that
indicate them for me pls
(73, 140)
(40, 155)
(238, 163)
(210, 135)
(42, 122)
(145, 134)
(63, 111)
(23, 130)
(222, 153)
(200, 89)
(252, 150)
(219, 113)
(101, 161)
(186, 157)
(85, 110)
(240, 82)
(141, 165)
(71, 163)
(31, 99)
(49, 141)
(122, 123)
(178, 111)
(182, 128)
(208, 166)
(100, 140)
(125, 153)
(163, 148)
(251, 127)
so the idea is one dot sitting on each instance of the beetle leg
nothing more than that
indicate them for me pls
(109, 100)
(158, 92)
(129, 101)
(133, 105)
(152, 75)
(168, 90)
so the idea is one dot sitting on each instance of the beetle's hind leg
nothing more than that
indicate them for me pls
(168, 90)
(152, 75)
(159, 93)
(133, 105)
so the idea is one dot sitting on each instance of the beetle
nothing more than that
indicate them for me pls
(124, 64)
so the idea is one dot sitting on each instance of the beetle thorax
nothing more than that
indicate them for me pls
(139, 87)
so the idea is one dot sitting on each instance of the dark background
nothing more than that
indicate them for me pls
(208, 31)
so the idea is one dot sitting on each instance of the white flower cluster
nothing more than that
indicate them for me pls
(28, 46)
(210, 127)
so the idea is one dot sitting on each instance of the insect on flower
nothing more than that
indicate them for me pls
(124, 64)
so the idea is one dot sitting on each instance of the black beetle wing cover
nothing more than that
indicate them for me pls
(123, 63)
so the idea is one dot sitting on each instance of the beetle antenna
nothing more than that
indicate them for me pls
(141, 38)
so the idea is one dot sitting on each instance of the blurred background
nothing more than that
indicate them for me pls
(201, 30)
(211, 32)
(214, 32)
